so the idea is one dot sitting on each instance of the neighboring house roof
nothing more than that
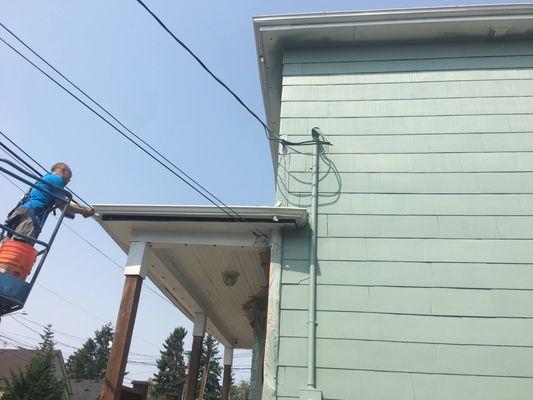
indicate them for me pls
(17, 359)
(274, 34)
(85, 389)
(13, 360)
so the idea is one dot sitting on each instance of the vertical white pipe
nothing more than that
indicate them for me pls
(311, 366)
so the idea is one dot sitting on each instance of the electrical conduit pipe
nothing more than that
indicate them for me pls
(311, 393)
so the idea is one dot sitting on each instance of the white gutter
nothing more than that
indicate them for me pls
(258, 213)
(396, 14)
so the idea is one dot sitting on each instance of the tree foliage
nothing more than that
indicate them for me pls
(171, 369)
(240, 391)
(90, 361)
(213, 389)
(47, 339)
(38, 379)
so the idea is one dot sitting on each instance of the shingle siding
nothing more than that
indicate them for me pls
(425, 246)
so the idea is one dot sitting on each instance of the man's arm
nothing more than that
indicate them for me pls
(74, 208)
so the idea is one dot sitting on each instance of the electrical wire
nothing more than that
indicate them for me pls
(13, 155)
(205, 67)
(10, 152)
(39, 333)
(7, 338)
(270, 134)
(188, 181)
(70, 335)
(103, 254)
(79, 235)
(33, 346)
(107, 112)
(36, 162)
(55, 330)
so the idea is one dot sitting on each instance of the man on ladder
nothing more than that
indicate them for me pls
(30, 214)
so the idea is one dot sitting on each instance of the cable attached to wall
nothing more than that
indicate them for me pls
(270, 134)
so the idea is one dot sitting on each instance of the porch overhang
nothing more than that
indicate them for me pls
(193, 248)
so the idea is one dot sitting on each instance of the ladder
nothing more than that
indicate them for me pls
(13, 291)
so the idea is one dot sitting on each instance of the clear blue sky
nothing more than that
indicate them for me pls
(117, 53)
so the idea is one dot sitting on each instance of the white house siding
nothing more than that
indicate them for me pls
(425, 282)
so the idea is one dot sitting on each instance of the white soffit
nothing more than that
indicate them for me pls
(273, 34)
(191, 248)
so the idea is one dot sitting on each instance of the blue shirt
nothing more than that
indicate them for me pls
(41, 199)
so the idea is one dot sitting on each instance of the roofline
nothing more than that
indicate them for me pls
(297, 216)
(391, 14)
(381, 17)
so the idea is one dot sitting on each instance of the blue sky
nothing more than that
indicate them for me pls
(117, 53)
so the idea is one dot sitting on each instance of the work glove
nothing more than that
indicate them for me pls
(87, 212)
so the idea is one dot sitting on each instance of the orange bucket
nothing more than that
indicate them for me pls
(17, 258)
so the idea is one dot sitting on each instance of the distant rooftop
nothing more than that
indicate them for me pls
(13, 360)
(17, 359)
(86, 389)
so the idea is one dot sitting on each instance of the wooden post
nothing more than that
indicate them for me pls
(196, 352)
(122, 338)
(136, 267)
(205, 371)
(226, 380)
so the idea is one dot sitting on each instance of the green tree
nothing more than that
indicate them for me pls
(38, 379)
(171, 369)
(240, 392)
(213, 389)
(47, 339)
(90, 361)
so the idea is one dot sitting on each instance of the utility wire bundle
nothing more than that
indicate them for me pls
(25, 164)
(124, 131)
(95, 107)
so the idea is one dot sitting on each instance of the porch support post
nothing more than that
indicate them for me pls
(196, 352)
(135, 271)
(226, 381)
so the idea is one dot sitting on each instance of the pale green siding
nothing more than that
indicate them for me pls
(425, 278)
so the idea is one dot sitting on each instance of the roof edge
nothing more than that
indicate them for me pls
(194, 212)
(387, 14)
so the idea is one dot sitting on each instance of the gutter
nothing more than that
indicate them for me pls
(270, 215)
(288, 21)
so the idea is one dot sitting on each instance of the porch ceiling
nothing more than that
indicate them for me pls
(192, 247)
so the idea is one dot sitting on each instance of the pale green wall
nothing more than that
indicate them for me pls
(426, 221)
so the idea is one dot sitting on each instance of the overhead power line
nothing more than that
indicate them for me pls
(187, 179)
(101, 253)
(26, 319)
(270, 134)
(208, 70)
(107, 112)
(35, 171)
(17, 158)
